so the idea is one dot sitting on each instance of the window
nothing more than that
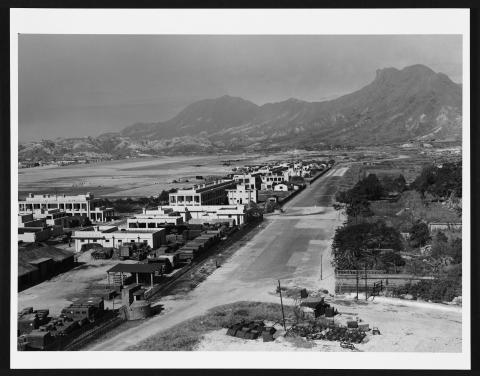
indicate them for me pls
(107, 241)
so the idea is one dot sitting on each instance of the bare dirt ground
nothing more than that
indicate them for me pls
(58, 292)
(404, 327)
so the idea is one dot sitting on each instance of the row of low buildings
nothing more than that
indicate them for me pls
(223, 201)
(83, 205)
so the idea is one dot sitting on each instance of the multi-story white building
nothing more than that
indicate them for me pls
(242, 195)
(155, 218)
(84, 205)
(273, 175)
(111, 236)
(252, 181)
(214, 193)
(209, 214)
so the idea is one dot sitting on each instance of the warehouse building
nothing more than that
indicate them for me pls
(155, 218)
(38, 263)
(210, 214)
(111, 236)
(214, 193)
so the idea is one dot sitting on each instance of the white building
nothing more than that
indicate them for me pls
(252, 181)
(214, 193)
(155, 218)
(242, 195)
(209, 214)
(85, 205)
(282, 187)
(111, 236)
(272, 176)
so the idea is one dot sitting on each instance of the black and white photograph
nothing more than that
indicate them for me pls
(240, 187)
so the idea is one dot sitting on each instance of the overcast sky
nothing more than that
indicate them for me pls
(79, 85)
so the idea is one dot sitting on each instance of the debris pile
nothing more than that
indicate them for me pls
(317, 331)
(317, 306)
(252, 330)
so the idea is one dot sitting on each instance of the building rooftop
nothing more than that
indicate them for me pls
(27, 255)
(135, 268)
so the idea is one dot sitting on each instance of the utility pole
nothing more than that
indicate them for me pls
(366, 285)
(281, 303)
(357, 282)
(321, 267)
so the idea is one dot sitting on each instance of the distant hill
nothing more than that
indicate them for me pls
(397, 106)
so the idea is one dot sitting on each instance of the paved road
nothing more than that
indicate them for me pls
(290, 247)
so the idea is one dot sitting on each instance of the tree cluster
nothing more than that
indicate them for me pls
(356, 200)
(440, 181)
(419, 234)
(371, 245)
(442, 247)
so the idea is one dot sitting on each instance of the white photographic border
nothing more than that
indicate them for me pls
(252, 22)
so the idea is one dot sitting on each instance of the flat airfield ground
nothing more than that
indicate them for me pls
(132, 177)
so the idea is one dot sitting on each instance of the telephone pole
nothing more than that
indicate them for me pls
(357, 282)
(321, 267)
(366, 285)
(281, 303)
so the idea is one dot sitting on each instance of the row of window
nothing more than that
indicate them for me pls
(108, 241)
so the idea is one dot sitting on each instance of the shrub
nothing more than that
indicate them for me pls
(442, 289)
(419, 234)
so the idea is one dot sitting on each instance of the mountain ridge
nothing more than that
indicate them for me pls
(398, 105)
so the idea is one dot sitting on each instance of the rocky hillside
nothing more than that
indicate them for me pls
(399, 105)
